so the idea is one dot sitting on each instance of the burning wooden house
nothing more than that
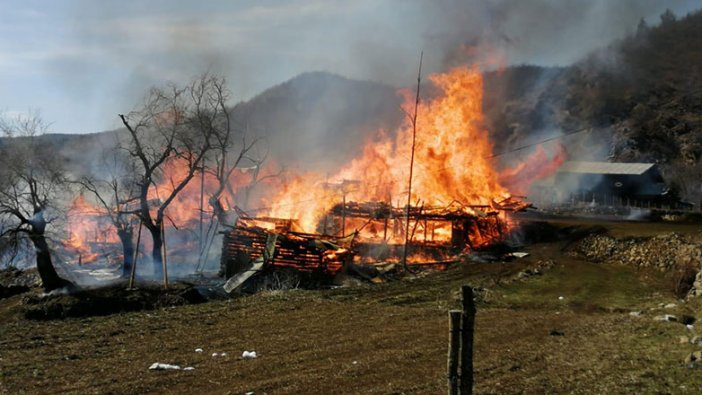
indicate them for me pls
(462, 197)
(256, 245)
(365, 232)
(456, 227)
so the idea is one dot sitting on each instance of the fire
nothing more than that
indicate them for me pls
(537, 166)
(454, 173)
(88, 227)
(452, 159)
(90, 230)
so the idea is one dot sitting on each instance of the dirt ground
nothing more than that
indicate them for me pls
(383, 338)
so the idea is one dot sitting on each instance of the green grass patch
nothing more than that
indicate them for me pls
(583, 286)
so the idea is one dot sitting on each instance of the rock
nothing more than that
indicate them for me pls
(666, 317)
(696, 339)
(695, 357)
(670, 306)
(636, 313)
(684, 339)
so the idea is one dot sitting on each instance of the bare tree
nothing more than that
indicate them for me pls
(231, 144)
(31, 180)
(164, 130)
(115, 189)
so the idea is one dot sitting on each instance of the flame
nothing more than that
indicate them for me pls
(452, 159)
(87, 227)
(536, 167)
(454, 170)
(90, 230)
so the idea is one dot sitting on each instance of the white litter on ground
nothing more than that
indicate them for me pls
(214, 354)
(560, 298)
(163, 366)
(188, 368)
(689, 326)
(666, 317)
(249, 355)
(199, 350)
(224, 354)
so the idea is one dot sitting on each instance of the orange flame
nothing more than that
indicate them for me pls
(536, 167)
(89, 225)
(454, 168)
(452, 159)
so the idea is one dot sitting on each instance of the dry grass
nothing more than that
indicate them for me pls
(385, 339)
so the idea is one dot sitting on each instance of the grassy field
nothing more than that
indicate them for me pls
(377, 339)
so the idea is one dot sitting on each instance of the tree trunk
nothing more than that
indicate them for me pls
(219, 212)
(125, 236)
(49, 278)
(156, 256)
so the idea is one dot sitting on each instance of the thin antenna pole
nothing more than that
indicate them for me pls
(164, 256)
(202, 206)
(132, 274)
(411, 170)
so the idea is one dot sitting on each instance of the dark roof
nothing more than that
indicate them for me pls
(605, 168)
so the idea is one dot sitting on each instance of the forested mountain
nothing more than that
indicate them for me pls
(642, 97)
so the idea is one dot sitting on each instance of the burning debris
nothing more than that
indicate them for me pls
(270, 245)
(179, 171)
(461, 203)
(377, 231)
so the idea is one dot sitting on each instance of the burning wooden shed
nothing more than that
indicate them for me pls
(358, 231)
(256, 245)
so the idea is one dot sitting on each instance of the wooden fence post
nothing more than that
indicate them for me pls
(467, 327)
(454, 349)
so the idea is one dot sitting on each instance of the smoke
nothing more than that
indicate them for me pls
(104, 55)
(540, 32)
(119, 50)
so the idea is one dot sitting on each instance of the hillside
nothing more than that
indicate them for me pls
(317, 119)
(641, 95)
(552, 322)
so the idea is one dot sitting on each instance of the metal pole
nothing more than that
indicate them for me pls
(414, 142)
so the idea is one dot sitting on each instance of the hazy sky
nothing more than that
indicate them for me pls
(82, 62)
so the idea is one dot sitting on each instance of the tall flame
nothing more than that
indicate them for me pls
(452, 158)
(454, 163)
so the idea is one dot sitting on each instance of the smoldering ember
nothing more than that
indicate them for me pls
(321, 197)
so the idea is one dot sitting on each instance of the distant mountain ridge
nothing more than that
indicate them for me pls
(318, 119)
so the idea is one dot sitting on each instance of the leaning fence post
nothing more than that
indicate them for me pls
(467, 326)
(454, 349)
